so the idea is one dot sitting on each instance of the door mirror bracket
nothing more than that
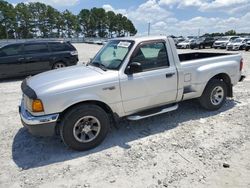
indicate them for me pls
(133, 67)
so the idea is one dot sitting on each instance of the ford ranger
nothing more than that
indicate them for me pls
(131, 78)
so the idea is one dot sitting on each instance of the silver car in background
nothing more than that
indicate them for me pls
(223, 41)
(237, 44)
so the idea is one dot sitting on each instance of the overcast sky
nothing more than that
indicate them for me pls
(177, 17)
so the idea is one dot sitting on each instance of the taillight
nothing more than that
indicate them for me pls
(241, 64)
(74, 53)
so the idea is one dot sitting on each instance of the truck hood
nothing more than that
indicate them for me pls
(61, 80)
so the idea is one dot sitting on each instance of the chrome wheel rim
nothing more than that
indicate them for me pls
(86, 129)
(217, 95)
(59, 65)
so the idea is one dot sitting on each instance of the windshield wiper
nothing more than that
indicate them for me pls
(100, 65)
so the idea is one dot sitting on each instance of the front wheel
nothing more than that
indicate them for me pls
(214, 95)
(84, 127)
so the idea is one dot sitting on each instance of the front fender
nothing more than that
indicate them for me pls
(57, 103)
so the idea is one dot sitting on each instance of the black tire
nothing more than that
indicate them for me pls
(71, 119)
(58, 65)
(207, 101)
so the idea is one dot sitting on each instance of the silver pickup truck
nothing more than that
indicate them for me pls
(131, 78)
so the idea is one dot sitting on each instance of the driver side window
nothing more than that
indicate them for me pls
(152, 56)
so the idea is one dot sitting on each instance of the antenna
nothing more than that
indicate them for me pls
(148, 28)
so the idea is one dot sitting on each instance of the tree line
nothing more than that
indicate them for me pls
(38, 20)
(227, 33)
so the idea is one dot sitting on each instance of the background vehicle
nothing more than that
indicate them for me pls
(202, 43)
(185, 44)
(133, 78)
(223, 41)
(29, 58)
(247, 45)
(237, 44)
(178, 40)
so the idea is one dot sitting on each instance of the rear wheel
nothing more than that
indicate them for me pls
(84, 127)
(59, 65)
(214, 95)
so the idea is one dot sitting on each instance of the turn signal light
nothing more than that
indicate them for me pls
(37, 106)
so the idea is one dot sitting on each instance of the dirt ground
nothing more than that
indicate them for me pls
(184, 148)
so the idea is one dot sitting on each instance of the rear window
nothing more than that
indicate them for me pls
(35, 48)
(58, 47)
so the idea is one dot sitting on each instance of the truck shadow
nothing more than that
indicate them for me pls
(31, 152)
(14, 79)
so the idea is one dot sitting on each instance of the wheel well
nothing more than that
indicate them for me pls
(104, 106)
(59, 61)
(226, 79)
(114, 117)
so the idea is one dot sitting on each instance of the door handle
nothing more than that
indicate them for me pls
(20, 59)
(168, 75)
(28, 58)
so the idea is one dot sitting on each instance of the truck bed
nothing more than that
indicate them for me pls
(199, 55)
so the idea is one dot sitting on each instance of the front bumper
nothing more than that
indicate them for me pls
(220, 45)
(38, 125)
(233, 47)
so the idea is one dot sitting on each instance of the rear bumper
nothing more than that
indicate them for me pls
(38, 125)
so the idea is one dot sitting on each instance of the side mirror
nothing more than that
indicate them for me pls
(133, 67)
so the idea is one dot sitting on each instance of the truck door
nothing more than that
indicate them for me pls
(155, 85)
(11, 61)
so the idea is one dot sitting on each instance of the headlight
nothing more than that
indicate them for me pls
(34, 105)
(37, 105)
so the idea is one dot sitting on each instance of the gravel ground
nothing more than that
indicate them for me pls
(184, 148)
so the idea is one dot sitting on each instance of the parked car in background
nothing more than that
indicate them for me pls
(178, 40)
(223, 41)
(185, 44)
(237, 44)
(247, 45)
(192, 37)
(202, 43)
(29, 58)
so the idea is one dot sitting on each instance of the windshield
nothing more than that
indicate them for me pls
(238, 40)
(2, 45)
(224, 39)
(112, 55)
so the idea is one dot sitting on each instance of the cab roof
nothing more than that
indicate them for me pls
(142, 38)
